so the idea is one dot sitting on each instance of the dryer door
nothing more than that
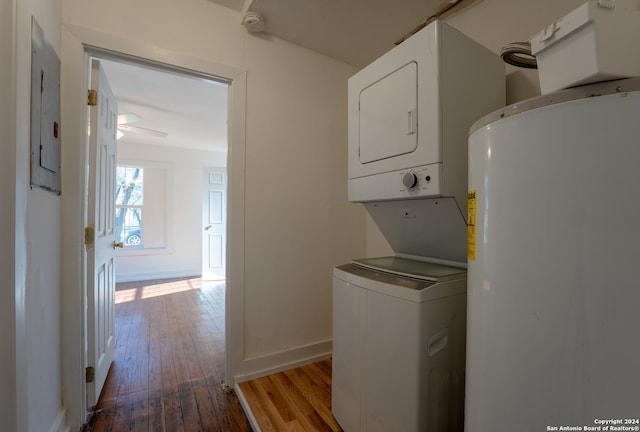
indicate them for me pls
(388, 115)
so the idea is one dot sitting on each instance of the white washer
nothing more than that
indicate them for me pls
(398, 345)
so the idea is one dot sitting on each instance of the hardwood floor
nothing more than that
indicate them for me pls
(169, 366)
(169, 361)
(294, 400)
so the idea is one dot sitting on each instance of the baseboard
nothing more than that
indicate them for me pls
(59, 425)
(247, 409)
(169, 274)
(270, 364)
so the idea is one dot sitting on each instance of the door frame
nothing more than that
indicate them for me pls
(78, 44)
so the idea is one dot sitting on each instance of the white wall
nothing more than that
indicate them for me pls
(299, 224)
(44, 242)
(34, 217)
(43, 338)
(8, 396)
(181, 255)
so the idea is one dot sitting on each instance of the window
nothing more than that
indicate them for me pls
(142, 208)
(129, 205)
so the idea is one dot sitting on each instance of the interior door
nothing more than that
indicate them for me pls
(214, 213)
(100, 251)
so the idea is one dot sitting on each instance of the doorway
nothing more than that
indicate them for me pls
(170, 125)
(79, 44)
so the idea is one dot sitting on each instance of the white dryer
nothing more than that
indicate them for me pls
(399, 346)
(410, 112)
(409, 116)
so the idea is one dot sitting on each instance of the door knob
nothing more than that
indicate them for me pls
(207, 227)
(118, 244)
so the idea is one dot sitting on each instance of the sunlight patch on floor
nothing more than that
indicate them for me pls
(124, 295)
(160, 290)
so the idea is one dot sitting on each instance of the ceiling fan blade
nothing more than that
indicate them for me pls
(143, 131)
(126, 118)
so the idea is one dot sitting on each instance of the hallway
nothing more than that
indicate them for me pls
(169, 361)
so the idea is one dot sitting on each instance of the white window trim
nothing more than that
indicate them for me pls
(169, 247)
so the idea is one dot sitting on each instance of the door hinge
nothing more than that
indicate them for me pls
(92, 99)
(89, 235)
(90, 374)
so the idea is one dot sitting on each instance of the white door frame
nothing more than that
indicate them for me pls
(77, 44)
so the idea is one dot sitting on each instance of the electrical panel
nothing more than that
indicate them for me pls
(45, 113)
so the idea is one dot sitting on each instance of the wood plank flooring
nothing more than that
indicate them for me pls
(169, 366)
(294, 400)
(169, 361)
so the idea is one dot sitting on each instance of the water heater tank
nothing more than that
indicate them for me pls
(552, 315)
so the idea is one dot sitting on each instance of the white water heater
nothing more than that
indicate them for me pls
(553, 282)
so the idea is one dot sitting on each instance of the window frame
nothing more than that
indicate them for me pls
(136, 208)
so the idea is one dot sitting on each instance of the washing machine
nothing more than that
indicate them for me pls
(398, 345)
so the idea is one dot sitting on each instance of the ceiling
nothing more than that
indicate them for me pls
(353, 31)
(191, 112)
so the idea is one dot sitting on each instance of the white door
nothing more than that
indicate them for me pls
(214, 213)
(100, 252)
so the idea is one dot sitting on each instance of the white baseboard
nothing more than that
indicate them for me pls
(247, 409)
(168, 274)
(270, 364)
(59, 425)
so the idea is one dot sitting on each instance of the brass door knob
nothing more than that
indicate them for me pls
(118, 244)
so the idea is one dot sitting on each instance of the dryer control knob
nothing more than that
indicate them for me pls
(409, 180)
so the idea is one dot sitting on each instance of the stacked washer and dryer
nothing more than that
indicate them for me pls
(399, 322)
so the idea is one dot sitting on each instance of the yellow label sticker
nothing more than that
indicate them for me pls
(471, 225)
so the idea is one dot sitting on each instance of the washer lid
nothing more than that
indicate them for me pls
(412, 268)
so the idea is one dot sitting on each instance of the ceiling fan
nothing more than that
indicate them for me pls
(124, 125)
